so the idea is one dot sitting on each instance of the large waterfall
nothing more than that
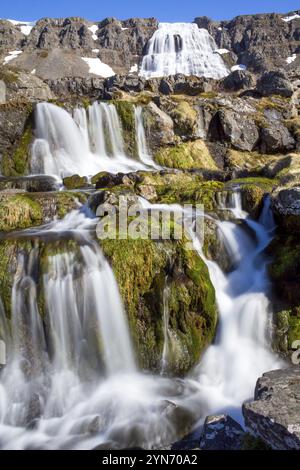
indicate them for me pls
(71, 379)
(182, 48)
(85, 143)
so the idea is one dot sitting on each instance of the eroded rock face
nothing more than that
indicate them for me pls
(261, 42)
(275, 83)
(275, 137)
(238, 80)
(274, 415)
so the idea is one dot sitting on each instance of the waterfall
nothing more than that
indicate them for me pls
(71, 382)
(143, 151)
(182, 48)
(85, 143)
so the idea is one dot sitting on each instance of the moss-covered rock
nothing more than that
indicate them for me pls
(185, 119)
(19, 212)
(186, 156)
(126, 115)
(143, 268)
(75, 182)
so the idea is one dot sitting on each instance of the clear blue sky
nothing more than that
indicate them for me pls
(164, 10)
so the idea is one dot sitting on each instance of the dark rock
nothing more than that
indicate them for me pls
(238, 80)
(221, 433)
(30, 183)
(241, 131)
(274, 415)
(276, 138)
(186, 85)
(286, 202)
(275, 83)
(125, 83)
(91, 87)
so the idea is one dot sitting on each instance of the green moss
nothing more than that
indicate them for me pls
(186, 156)
(140, 267)
(19, 212)
(8, 76)
(74, 182)
(126, 115)
(185, 118)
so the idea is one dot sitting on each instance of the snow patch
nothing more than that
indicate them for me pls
(291, 59)
(222, 51)
(220, 29)
(12, 55)
(33, 72)
(25, 26)
(98, 68)
(94, 29)
(238, 67)
(134, 68)
(95, 50)
(123, 29)
(290, 18)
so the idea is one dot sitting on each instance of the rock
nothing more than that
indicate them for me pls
(75, 182)
(287, 201)
(2, 354)
(221, 432)
(92, 87)
(241, 131)
(238, 80)
(159, 127)
(37, 183)
(274, 415)
(26, 86)
(2, 92)
(275, 137)
(186, 85)
(147, 192)
(127, 83)
(11, 37)
(275, 83)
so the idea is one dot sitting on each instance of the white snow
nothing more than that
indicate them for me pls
(98, 68)
(25, 26)
(12, 55)
(33, 72)
(290, 18)
(222, 51)
(124, 29)
(291, 59)
(238, 67)
(134, 68)
(95, 50)
(94, 29)
(219, 28)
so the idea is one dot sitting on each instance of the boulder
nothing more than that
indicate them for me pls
(75, 182)
(159, 127)
(238, 80)
(275, 83)
(241, 131)
(221, 432)
(275, 137)
(274, 414)
(286, 201)
(186, 85)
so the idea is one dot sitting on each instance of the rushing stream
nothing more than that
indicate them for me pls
(71, 380)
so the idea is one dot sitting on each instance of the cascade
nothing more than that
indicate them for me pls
(182, 48)
(54, 392)
(85, 143)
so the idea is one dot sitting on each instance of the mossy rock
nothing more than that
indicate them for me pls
(126, 115)
(19, 212)
(185, 118)
(142, 269)
(75, 182)
(186, 156)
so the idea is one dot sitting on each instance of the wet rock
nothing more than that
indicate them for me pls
(221, 432)
(276, 138)
(30, 183)
(34, 411)
(287, 201)
(274, 415)
(275, 83)
(238, 80)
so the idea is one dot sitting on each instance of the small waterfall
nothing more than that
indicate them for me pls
(182, 48)
(143, 151)
(166, 348)
(86, 143)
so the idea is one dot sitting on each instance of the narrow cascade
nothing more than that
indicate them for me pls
(143, 151)
(166, 348)
(182, 48)
(242, 350)
(86, 143)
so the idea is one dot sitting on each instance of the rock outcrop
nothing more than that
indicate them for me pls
(274, 415)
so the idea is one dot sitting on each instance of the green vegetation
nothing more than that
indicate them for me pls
(186, 156)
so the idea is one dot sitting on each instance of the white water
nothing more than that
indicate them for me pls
(59, 366)
(182, 48)
(143, 151)
(86, 143)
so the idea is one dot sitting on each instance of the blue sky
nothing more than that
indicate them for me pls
(164, 10)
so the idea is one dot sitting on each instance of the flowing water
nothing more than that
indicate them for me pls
(71, 380)
(85, 143)
(182, 48)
